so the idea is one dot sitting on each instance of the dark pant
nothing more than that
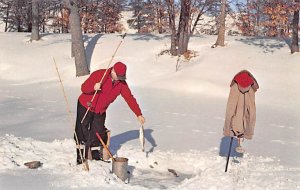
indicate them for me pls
(86, 131)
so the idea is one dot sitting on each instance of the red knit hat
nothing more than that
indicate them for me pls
(120, 69)
(244, 79)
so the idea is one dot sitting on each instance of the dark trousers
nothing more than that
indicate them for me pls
(86, 131)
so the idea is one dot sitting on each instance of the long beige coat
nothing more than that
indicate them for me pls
(241, 111)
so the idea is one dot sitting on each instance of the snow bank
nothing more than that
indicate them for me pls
(196, 170)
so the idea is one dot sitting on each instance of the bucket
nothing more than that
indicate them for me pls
(33, 164)
(119, 167)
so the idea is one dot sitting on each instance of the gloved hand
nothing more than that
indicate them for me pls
(141, 119)
(97, 86)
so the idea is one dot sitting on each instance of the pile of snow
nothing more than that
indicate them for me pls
(184, 111)
(196, 169)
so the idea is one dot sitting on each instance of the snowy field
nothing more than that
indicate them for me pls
(184, 113)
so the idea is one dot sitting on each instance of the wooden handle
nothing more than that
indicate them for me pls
(104, 145)
(108, 138)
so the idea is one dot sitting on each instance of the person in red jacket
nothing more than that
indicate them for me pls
(113, 85)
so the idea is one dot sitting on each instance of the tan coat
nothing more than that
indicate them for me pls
(241, 111)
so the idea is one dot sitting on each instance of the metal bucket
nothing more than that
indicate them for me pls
(119, 167)
(33, 164)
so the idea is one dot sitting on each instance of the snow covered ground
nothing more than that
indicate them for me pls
(184, 111)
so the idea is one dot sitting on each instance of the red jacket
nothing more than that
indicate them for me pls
(109, 92)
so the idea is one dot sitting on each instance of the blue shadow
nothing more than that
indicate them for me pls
(118, 140)
(89, 49)
(224, 147)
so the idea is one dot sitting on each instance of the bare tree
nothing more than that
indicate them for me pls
(77, 39)
(35, 20)
(160, 15)
(295, 46)
(137, 6)
(152, 16)
(5, 8)
(184, 26)
(171, 13)
(243, 18)
(221, 28)
(203, 8)
(64, 20)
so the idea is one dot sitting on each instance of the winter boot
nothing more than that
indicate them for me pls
(240, 149)
(81, 157)
(97, 153)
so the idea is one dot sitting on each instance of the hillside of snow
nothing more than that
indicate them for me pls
(184, 113)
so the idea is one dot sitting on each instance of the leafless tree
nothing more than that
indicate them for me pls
(295, 41)
(221, 28)
(5, 9)
(202, 8)
(35, 20)
(184, 26)
(77, 39)
(172, 25)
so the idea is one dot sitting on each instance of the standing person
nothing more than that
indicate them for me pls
(113, 84)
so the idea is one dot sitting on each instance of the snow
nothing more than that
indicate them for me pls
(2, 26)
(184, 113)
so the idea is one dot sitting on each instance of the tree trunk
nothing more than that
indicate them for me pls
(171, 13)
(44, 27)
(64, 23)
(160, 16)
(295, 46)
(77, 39)
(86, 19)
(29, 18)
(138, 9)
(6, 19)
(196, 22)
(221, 30)
(18, 16)
(159, 20)
(35, 20)
(184, 26)
(19, 24)
(62, 19)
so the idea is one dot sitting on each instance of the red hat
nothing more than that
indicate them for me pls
(244, 79)
(120, 69)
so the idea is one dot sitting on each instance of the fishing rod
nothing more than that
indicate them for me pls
(85, 163)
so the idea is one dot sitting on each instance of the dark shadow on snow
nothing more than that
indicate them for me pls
(52, 41)
(118, 140)
(89, 49)
(268, 45)
(41, 35)
(224, 147)
(130, 170)
(288, 41)
(146, 37)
